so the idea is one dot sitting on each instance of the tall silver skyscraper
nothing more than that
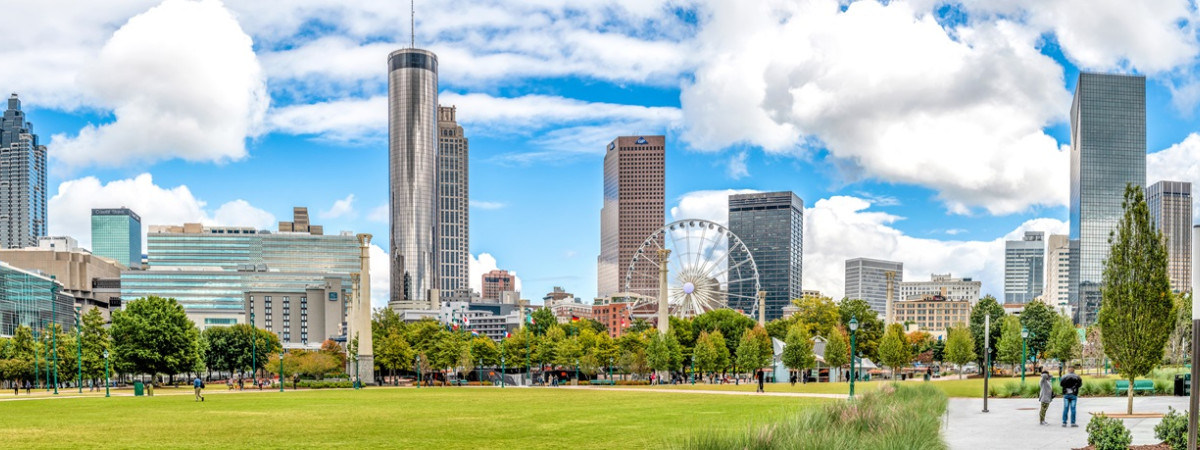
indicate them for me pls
(23, 177)
(412, 170)
(771, 224)
(1108, 152)
(633, 209)
(1024, 267)
(454, 203)
(1171, 210)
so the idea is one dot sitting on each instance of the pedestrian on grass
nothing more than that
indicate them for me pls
(1070, 389)
(760, 381)
(198, 384)
(1045, 396)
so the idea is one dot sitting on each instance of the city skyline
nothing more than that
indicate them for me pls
(292, 131)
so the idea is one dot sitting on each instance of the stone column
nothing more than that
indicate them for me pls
(362, 312)
(664, 323)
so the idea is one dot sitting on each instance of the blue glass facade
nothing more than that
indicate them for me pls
(117, 235)
(31, 300)
(1108, 151)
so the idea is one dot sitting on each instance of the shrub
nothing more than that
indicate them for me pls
(584, 382)
(1098, 388)
(1106, 433)
(633, 383)
(1164, 386)
(325, 384)
(1173, 430)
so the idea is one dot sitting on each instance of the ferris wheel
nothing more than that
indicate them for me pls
(708, 267)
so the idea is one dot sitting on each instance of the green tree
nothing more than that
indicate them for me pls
(1009, 349)
(732, 325)
(393, 352)
(639, 325)
(1039, 319)
(95, 342)
(705, 354)
(658, 353)
(755, 351)
(870, 327)
(986, 307)
(820, 315)
(960, 347)
(335, 352)
(837, 349)
(894, 350)
(485, 351)
(798, 349)
(153, 335)
(1136, 308)
(568, 352)
(234, 348)
(543, 321)
(681, 329)
(1064, 343)
(1180, 343)
(606, 350)
(633, 352)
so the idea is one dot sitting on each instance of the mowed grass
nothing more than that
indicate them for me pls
(952, 386)
(473, 418)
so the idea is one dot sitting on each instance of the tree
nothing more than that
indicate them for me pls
(960, 347)
(235, 348)
(819, 314)
(837, 349)
(1093, 346)
(1064, 342)
(95, 341)
(543, 321)
(724, 357)
(705, 354)
(639, 325)
(681, 329)
(1136, 308)
(894, 351)
(986, 307)
(633, 352)
(1009, 349)
(335, 351)
(1039, 318)
(755, 350)
(154, 335)
(1180, 342)
(392, 351)
(798, 349)
(870, 327)
(606, 351)
(658, 353)
(732, 325)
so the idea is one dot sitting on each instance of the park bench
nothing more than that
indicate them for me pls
(603, 382)
(459, 382)
(1138, 386)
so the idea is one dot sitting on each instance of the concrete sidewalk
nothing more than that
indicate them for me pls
(1013, 423)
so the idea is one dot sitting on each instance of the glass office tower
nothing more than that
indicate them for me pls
(117, 235)
(771, 225)
(1170, 205)
(22, 180)
(32, 300)
(1108, 152)
(412, 171)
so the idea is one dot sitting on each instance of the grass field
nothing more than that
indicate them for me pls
(953, 387)
(385, 417)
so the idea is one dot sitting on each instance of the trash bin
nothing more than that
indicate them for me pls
(138, 389)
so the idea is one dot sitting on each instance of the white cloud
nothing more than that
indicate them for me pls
(484, 263)
(380, 277)
(841, 227)
(340, 208)
(1179, 162)
(70, 208)
(955, 231)
(379, 213)
(736, 167)
(960, 110)
(480, 204)
(182, 81)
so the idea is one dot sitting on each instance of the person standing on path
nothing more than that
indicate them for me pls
(1045, 396)
(199, 385)
(1070, 388)
(760, 381)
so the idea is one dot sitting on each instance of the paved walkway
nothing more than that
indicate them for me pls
(702, 391)
(1012, 423)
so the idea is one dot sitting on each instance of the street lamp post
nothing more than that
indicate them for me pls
(502, 371)
(577, 371)
(357, 379)
(106, 394)
(693, 369)
(1024, 338)
(480, 370)
(79, 350)
(853, 335)
(280, 371)
(37, 372)
(418, 371)
(54, 339)
(610, 364)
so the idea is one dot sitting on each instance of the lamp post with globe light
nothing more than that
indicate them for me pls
(853, 335)
(1024, 338)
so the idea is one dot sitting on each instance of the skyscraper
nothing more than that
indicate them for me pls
(1024, 267)
(634, 207)
(771, 225)
(1108, 152)
(412, 169)
(23, 180)
(1171, 210)
(1056, 291)
(495, 282)
(453, 203)
(117, 235)
(867, 279)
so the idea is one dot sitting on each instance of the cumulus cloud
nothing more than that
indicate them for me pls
(958, 110)
(480, 204)
(340, 208)
(1179, 162)
(484, 263)
(70, 208)
(380, 276)
(736, 167)
(843, 227)
(182, 81)
(379, 213)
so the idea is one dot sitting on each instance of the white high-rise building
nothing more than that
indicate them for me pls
(1024, 263)
(1057, 289)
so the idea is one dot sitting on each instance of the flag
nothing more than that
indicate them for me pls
(574, 318)
(474, 333)
(623, 324)
(466, 321)
(507, 334)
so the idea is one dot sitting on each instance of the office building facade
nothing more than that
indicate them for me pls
(944, 285)
(933, 313)
(453, 204)
(117, 235)
(22, 180)
(77, 272)
(495, 282)
(1108, 152)
(1171, 211)
(771, 225)
(1024, 267)
(634, 208)
(867, 279)
(412, 171)
(33, 300)
(302, 318)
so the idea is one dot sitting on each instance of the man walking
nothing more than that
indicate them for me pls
(1045, 396)
(199, 385)
(1070, 388)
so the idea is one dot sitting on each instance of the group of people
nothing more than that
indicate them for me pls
(1070, 384)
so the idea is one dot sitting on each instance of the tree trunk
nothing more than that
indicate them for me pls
(960, 371)
(1130, 406)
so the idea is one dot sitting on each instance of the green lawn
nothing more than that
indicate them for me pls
(386, 417)
(952, 386)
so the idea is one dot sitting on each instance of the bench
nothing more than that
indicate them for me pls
(602, 382)
(1138, 386)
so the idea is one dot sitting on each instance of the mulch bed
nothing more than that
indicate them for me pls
(1162, 446)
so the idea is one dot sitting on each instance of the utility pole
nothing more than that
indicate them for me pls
(891, 277)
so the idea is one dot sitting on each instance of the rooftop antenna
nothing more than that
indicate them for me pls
(413, 17)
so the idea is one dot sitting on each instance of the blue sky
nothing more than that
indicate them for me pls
(922, 131)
